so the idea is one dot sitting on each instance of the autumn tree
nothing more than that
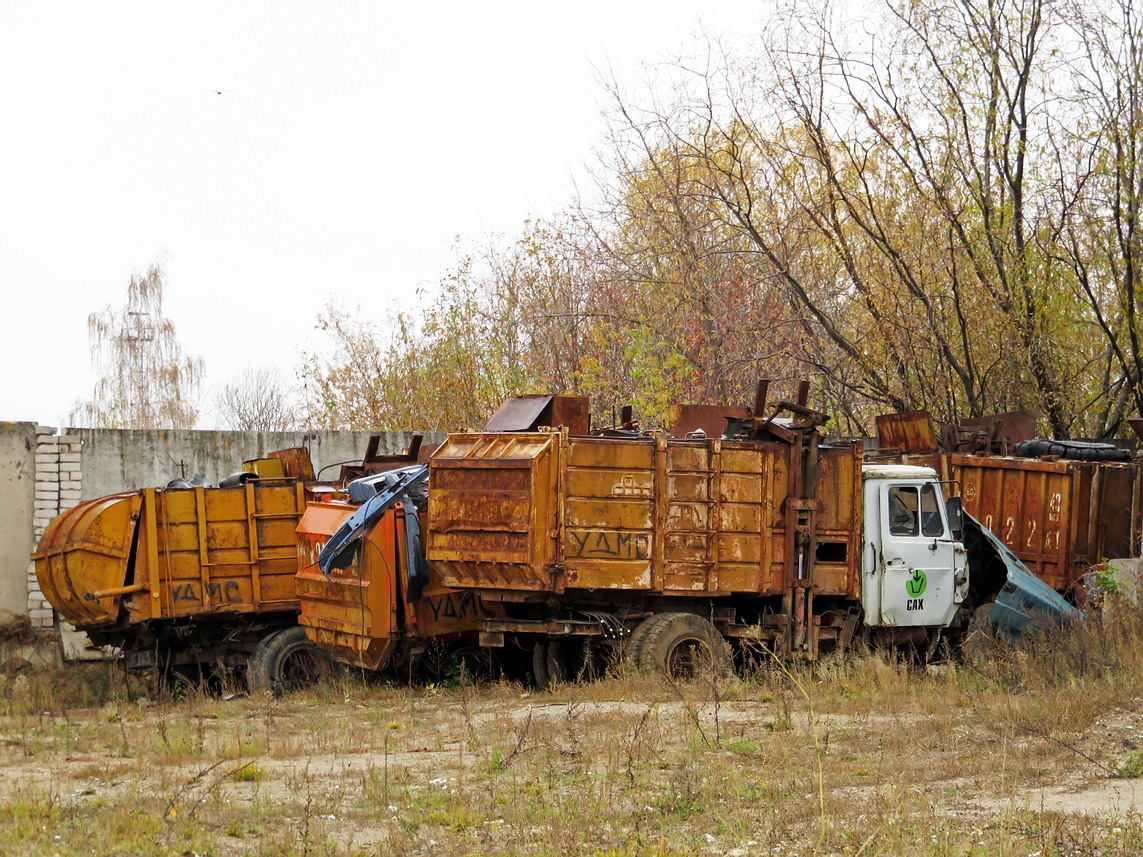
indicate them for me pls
(683, 281)
(258, 400)
(145, 379)
(900, 176)
(1099, 162)
(439, 366)
(934, 206)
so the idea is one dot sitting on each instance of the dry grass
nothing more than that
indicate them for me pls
(857, 756)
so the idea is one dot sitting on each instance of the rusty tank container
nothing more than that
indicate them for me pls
(157, 554)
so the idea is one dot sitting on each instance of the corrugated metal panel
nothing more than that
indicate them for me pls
(1058, 517)
(655, 515)
(491, 508)
(609, 514)
(222, 550)
(1028, 505)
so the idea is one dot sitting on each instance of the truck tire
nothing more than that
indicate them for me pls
(633, 645)
(285, 661)
(681, 646)
(549, 663)
(1077, 450)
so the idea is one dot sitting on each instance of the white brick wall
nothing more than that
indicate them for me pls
(59, 478)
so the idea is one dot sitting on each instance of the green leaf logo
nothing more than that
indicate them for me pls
(916, 584)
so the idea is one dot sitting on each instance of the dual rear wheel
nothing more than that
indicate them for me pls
(680, 646)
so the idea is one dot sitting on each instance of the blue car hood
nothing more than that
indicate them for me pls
(1024, 602)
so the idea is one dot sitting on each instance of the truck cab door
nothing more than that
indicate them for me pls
(921, 569)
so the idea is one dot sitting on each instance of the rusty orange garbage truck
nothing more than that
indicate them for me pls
(193, 581)
(672, 551)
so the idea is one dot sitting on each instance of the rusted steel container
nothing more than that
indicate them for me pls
(166, 554)
(522, 515)
(911, 431)
(1059, 517)
(372, 613)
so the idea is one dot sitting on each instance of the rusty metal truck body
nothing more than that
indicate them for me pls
(187, 580)
(779, 541)
(666, 549)
(383, 608)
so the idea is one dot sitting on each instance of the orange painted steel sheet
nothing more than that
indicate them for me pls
(1058, 517)
(545, 512)
(84, 551)
(360, 614)
(352, 613)
(172, 553)
(221, 549)
(908, 432)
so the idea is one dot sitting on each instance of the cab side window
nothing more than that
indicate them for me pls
(903, 510)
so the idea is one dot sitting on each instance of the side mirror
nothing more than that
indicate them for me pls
(956, 517)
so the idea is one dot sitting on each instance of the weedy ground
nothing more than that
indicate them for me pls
(1022, 753)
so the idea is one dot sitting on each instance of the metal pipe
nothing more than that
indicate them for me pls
(116, 590)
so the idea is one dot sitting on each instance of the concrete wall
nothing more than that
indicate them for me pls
(126, 460)
(17, 495)
(44, 472)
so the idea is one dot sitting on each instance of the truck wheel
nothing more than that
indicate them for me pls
(979, 642)
(681, 646)
(549, 663)
(285, 661)
(633, 645)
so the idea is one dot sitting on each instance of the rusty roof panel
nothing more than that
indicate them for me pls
(527, 413)
(909, 432)
(685, 419)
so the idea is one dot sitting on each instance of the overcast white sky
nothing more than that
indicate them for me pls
(351, 145)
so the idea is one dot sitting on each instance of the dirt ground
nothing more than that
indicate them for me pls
(877, 763)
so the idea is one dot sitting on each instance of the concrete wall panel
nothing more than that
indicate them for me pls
(125, 460)
(17, 498)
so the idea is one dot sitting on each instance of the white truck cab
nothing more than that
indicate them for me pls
(913, 569)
